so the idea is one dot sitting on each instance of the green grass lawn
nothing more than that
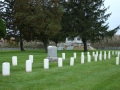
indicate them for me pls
(100, 75)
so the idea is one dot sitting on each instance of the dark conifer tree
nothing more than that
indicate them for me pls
(87, 19)
(2, 29)
(7, 14)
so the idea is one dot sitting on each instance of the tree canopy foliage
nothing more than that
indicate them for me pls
(38, 19)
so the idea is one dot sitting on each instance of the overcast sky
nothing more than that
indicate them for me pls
(114, 19)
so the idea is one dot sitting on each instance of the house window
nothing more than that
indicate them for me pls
(78, 39)
(70, 39)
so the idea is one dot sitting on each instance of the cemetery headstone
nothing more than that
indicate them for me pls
(31, 58)
(109, 55)
(88, 53)
(28, 66)
(71, 61)
(63, 56)
(82, 58)
(46, 63)
(60, 62)
(6, 69)
(52, 53)
(117, 60)
(118, 54)
(14, 60)
(89, 58)
(97, 53)
(105, 55)
(74, 55)
(95, 57)
(100, 56)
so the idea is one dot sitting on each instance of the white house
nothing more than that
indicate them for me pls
(74, 42)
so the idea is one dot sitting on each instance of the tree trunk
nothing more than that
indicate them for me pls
(21, 46)
(21, 43)
(85, 44)
(46, 43)
(56, 44)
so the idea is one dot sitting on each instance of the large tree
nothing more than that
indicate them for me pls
(2, 29)
(38, 18)
(87, 19)
(7, 14)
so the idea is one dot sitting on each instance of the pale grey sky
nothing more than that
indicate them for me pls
(114, 19)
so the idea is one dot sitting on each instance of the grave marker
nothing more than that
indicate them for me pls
(95, 57)
(97, 53)
(105, 55)
(60, 62)
(93, 53)
(6, 69)
(14, 60)
(109, 55)
(89, 58)
(71, 61)
(100, 57)
(46, 63)
(31, 58)
(101, 54)
(28, 66)
(52, 53)
(63, 56)
(117, 60)
(88, 53)
(82, 58)
(74, 55)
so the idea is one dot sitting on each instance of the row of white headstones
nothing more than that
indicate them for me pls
(96, 55)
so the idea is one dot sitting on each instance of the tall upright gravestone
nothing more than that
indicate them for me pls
(52, 53)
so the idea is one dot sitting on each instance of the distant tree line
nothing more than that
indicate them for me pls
(110, 42)
(54, 20)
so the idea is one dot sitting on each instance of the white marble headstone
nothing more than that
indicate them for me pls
(6, 69)
(60, 62)
(28, 66)
(14, 60)
(46, 63)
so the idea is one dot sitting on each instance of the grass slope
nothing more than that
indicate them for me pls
(100, 75)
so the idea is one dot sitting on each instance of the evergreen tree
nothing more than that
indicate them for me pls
(7, 14)
(87, 19)
(2, 29)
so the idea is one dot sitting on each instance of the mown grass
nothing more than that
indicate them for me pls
(100, 75)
